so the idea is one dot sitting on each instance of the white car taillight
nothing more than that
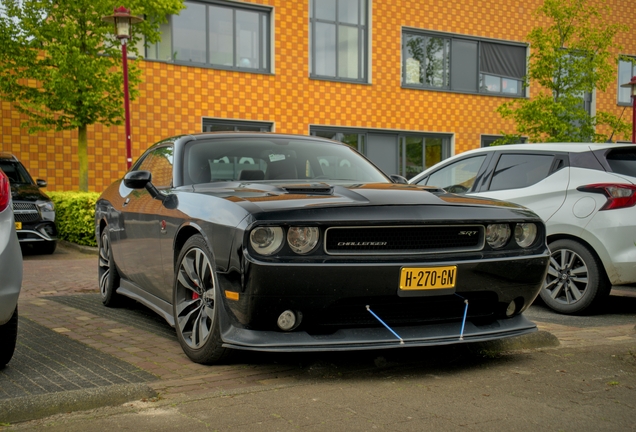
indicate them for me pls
(5, 191)
(618, 195)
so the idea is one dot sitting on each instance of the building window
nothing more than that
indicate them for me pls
(419, 152)
(449, 62)
(218, 34)
(626, 70)
(222, 125)
(339, 39)
(352, 139)
(403, 153)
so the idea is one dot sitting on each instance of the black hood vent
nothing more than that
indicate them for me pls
(322, 189)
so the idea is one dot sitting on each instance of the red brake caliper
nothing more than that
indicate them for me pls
(195, 295)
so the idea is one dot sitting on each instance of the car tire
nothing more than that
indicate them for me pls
(47, 247)
(8, 338)
(576, 283)
(108, 277)
(195, 306)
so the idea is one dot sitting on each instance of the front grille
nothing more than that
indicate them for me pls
(403, 239)
(25, 212)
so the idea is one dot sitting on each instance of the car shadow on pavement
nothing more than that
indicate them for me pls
(618, 309)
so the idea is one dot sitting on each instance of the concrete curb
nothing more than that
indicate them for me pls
(84, 249)
(40, 406)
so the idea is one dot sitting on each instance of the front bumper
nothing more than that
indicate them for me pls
(332, 300)
(373, 338)
(37, 232)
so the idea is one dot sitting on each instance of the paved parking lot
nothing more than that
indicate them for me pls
(69, 342)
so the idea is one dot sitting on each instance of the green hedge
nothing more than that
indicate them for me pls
(75, 216)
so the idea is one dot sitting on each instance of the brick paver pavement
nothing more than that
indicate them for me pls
(68, 272)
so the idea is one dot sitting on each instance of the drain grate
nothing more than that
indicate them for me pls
(47, 362)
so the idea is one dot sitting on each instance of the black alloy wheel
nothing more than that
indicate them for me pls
(196, 304)
(108, 276)
(576, 282)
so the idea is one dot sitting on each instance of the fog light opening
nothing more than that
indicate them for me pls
(46, 230)
(289, 320)
(511, 309)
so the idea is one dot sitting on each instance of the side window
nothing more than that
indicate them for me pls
(159, 163)
(626, 70)
(515, 171)
(457, 177)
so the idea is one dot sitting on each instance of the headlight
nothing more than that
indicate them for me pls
(497, 235)
(47, 210)
(266, 240)
(46, 205)
(525, 234)
(302, 240)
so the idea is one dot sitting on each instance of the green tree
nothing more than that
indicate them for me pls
(572, 55)
(60, 64)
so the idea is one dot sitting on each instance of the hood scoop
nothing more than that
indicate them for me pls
(309, 189)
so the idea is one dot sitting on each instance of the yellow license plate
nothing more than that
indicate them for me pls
(18, 225)
(428, 278)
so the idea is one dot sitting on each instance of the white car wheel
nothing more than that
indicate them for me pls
(576, 282)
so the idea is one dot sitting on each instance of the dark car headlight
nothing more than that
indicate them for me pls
(525, 234)
(47, 210)
(497, 235)
(302, 240)
(267, 240)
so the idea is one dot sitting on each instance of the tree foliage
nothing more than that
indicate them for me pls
(60, 64)
(571, 56)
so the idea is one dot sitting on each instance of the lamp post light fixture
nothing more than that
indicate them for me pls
(123, 21)
(632, 85)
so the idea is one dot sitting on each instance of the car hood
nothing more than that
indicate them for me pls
(27, 192)
(272, 197)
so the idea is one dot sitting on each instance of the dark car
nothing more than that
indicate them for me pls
(33, 209)
(271, 242)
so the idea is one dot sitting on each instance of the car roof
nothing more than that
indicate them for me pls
(563, 147)
(255, 134)
(559, 147)
(5, 155)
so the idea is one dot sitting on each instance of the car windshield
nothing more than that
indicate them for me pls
(623, 161)
(276, 159)
(16, 172)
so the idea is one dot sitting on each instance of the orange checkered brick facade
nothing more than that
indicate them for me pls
(174, 99)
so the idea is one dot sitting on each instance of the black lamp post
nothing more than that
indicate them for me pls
(123, 21)
(632, 85)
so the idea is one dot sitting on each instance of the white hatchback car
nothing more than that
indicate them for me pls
(584, 192)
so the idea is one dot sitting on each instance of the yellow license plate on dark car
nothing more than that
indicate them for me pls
(428, 278)
(18, 225)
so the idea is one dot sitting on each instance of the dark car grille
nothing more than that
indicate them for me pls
(403, 240)
(396, 311)
(25, 212)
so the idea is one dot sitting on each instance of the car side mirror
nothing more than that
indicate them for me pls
(137, 179)
(398, 179)
(143, 179)
(41, 183)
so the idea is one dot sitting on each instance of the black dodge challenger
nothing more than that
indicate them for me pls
(271, 242)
